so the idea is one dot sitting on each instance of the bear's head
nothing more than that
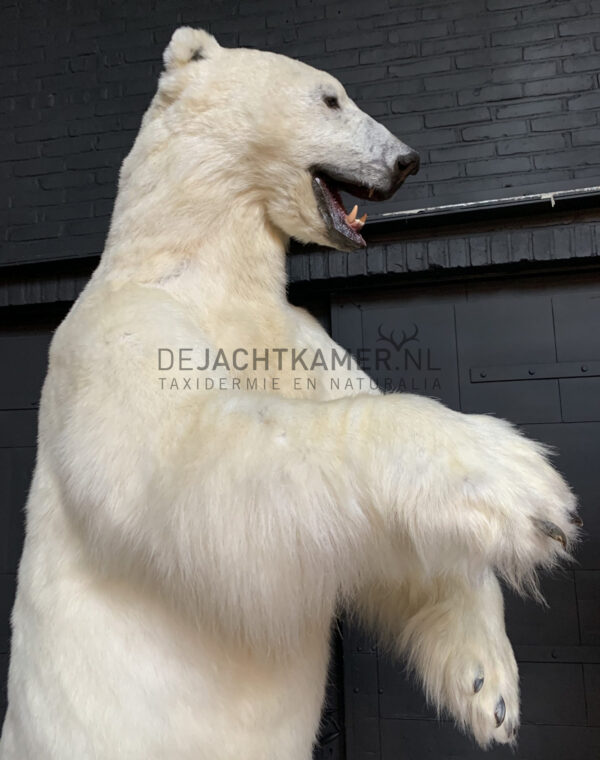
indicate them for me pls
(258, 128)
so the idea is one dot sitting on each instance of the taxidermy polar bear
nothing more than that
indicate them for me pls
(186, 551)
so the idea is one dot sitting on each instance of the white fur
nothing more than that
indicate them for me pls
(186, 551)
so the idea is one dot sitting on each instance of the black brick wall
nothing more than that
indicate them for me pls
(500, 96)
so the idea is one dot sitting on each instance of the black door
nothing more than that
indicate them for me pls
(529, 351)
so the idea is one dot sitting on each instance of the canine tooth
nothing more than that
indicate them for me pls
(352, 215)
(363, 219)
(371, 191)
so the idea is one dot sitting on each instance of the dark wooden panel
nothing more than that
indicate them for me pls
(552, 694)
(18, 427)
(426, 740)
(24, 368)
(591, 674)
(577, 446)
(7, 597)
(576, 319)
(588, 599)
(534, 624)
(401, 696)
(16, 466)
(3, 674)
(580, 398)
(498, 329)
(420, 338)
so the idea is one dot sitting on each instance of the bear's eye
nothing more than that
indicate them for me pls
(331, 101)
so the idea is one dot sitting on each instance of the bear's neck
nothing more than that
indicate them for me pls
(201, 253)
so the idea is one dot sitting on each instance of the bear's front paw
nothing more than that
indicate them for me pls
(483, 687)
(457, 646)
(521, 512)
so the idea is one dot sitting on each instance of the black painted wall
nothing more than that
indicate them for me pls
(500, 96)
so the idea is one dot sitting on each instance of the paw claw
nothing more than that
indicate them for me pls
(500, 712)
(552, 531)
(477, 684)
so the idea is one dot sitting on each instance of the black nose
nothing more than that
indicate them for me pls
(408, 163)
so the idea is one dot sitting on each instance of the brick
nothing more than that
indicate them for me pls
(445, 10)
(459, 116)
(39, 132)
(411, 32)
(441, 172)
(495, 130)
(416, 255)
(496, 5)
(66, 212)
(403, 124)
(523, 35)
(358, 10)
(65, 179)
(381, 54)
(543, 245)
(488, 57)
(458, 252)
(479, 253)
(564, 122)
(499, 248)
(586, 137)
(490, 94)
(568, 158)
(462, 152)
(362, 74)
(529, 108)
(457, 81)
(583, 102)
(37, 166)
(93, 159)
(432, 137)
(418, 68)
(39, 231)
(11, 151)
(498, 166)
(132, 103)
(559, 49)
(586, 25)
(581, 63)
(295, 16)
(559, 85)
(486, 23)
(367, 39)
(451, 45)
(391, 88)
(525, 72)
(532, 144)
(95, 125)
(423, 103)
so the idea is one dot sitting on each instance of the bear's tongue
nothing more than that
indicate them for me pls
(346, 224)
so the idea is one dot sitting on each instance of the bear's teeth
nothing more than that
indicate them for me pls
(360, 223)
(371, 191)
(352, 215)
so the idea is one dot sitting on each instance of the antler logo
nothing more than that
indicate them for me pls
(397, 344)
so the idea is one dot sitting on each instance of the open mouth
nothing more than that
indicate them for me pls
(345, 228)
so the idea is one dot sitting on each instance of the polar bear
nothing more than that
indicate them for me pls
(187, 549)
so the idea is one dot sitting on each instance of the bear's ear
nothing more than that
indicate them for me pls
(187, 45)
